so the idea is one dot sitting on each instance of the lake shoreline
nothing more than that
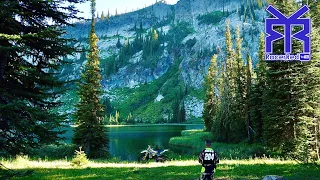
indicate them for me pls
(127, 141)
(142, 125)
(137, 125)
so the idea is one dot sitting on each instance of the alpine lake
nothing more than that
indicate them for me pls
(127, 141)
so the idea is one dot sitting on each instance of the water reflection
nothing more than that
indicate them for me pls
(126, 142)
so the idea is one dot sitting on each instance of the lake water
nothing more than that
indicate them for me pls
(126, 142)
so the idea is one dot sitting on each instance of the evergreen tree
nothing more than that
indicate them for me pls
(118, 45)
(232, 122)
(155, 41)
(102, 16)
(240, 111)
(278, 115)
(221, 125)
(249, 75)
(31, 51)
(130, 119)
(108, 15)
(257, 93)
(307, 129)
(90, 132)
(176, 111)
(183, 113)
(112, 120)
(141, 28)
(288, 118)
(211, 99)
(117, 118)
(225, 117)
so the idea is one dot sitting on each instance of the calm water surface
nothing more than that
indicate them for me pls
(126, 142)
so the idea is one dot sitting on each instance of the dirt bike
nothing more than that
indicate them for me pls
(150, 154)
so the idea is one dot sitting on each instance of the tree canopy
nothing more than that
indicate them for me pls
(31, 50)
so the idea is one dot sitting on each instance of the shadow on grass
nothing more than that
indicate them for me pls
(224, 172)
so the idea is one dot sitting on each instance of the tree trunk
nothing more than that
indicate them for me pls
(317, 134)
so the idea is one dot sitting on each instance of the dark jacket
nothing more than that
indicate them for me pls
(209, 159)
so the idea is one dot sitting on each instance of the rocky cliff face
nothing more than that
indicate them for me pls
(188, 10)
(192, 54)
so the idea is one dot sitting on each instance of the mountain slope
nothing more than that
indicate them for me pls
(155, 58)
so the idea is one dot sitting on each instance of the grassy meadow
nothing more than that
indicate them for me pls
(188, 169)
(236, 162)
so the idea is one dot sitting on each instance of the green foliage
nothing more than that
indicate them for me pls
(54, 152)
(229, 126)
(168, 19)
(291, 101)
(110, 66)
(90, 132)
(192, 142)
(178, 110)
(279, 105)
(211, 100)
(212, 18)
(256, 99)
(114, 120)
(140, 101)
(102, 16)
(234, 169)
(29, 91)
(130, 119)
(177, 33)
(247, 10)
(118, 45)
(191, 42)
(149, 44)
(227, 105)
(80, 159)
(151, 49)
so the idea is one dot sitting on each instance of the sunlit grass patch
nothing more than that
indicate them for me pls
(191, 132)
(22, 162)
(189, 169)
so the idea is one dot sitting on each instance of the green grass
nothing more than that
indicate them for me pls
(227, 169)
(192, 142)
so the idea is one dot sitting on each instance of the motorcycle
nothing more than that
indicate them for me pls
(149, 154)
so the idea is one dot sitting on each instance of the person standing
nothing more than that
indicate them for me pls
(209, 159)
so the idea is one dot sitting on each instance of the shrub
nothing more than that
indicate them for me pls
(80, 159)
(211, 18)
(191, 42)
(22, 159)
(54, 151)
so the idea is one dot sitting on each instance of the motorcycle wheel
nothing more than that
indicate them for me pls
(143, 159)
(162, 159)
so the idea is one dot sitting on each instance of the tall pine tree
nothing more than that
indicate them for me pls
(211, 100)
(239, 107)
(249, 75)
(90, 132)
(259, 86)
(289, 109)
(307, 136)
(32, 46)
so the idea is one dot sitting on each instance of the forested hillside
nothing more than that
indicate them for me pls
(275, 103)
(79, 96)
(154, 60)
